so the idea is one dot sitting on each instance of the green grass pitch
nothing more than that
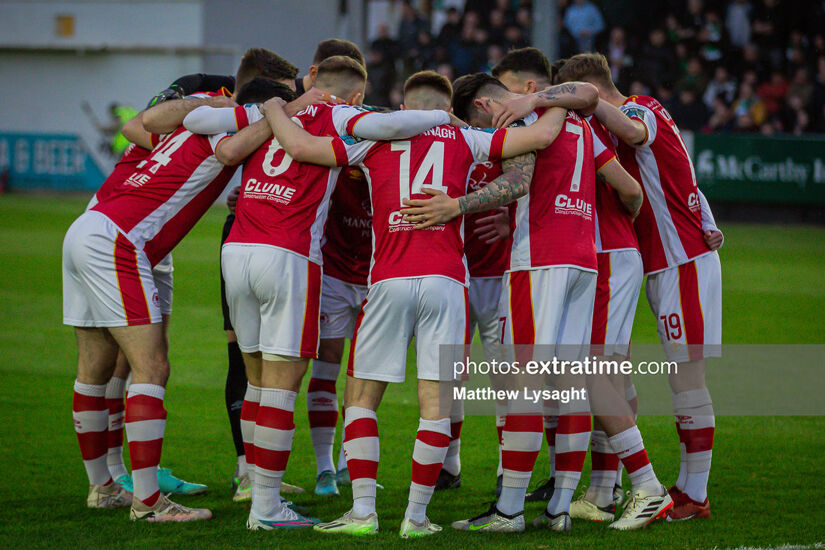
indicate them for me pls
(767, 484)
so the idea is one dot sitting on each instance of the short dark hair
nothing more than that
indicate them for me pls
(429, 79)
(530, 60)
(265, 63)
(335, 46)
(555, 68)
(259, 89)
(469, 87)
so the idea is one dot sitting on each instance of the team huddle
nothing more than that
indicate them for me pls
(528, 204)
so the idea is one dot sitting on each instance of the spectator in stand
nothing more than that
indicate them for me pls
(752, 61)
(450, 33)
(498, 24)
(722, 85)
(794, 115)
(738, 23)
(619, 57)
(749, 111)
(694, 78)
(712, 37)
(514, 38)
(689, 110)
(720, 117)
(657, 62)
(769, 28)
(584, 21)
(801, 86)
(773, 92)
(409, 27)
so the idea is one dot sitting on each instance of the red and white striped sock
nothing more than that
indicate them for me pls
(633, 401)
(145, 424)
(91, 419)
(551, 424)
(362, 451)
(115, 402)
(603, 472)
(322, 409)
(342, 457)
(630, 449)
(521, 443)
(249, 415)
(501, 417)
(431, 444)
(695, 423)
(274, 431)
(572, 440)
(452, 462)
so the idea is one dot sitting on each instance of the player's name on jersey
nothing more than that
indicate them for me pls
(525, 394)
(442, 132)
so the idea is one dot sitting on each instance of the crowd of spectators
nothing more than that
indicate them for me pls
(469, 37)
(717, 65)
(723, 65)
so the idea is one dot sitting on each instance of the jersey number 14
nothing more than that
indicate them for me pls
(433, 162)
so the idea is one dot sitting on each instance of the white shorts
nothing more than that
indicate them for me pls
(340, 304)
(485, 294)
(162, 273)
(617, 294)
(432, 309)
(551, 306)
(687, 303)
(274, 299)
(107, 282)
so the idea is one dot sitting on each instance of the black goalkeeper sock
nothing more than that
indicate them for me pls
(234, 393)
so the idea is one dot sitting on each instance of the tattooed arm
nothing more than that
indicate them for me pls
(580, 96)
(513, 183)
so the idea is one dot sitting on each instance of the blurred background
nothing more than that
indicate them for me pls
(745, 79)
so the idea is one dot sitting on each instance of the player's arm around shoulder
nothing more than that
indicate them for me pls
(513, 183)
(134, 131)
(627, 127)
(580, 96)
(167, 116)
(233, 149)
(297, 142)
(376, 126)
(539, 135)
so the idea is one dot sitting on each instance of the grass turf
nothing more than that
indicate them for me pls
(766, 486)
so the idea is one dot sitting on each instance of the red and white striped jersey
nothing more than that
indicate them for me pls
(284, 203)
(347, 244)
(157, 205)
(440, 159)
(485, 259)
(669, 226)
(132, 156)
(555, 220)
(614, 226)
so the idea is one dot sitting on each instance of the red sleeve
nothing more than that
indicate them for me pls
(340, 151)
(497, 145)
(241, 118)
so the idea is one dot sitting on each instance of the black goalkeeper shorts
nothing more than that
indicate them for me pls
(227, 227)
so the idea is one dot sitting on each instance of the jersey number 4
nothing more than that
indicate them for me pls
(433, 162)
